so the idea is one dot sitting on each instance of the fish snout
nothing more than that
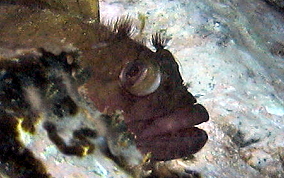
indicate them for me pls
(174, 135)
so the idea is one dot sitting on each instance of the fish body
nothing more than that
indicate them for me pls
(102, 66)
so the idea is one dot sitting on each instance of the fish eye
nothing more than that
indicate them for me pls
(140, 77)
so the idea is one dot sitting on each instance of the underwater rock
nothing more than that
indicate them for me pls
(230, 57)
(278, 4)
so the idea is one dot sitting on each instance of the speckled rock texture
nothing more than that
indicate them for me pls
(231, 57)
(278, 4)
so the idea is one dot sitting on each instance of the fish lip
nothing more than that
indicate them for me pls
(172, 146)
(181, 118)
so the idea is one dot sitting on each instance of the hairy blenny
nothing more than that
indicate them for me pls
(52, 61)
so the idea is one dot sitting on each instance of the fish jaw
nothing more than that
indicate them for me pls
(173, 145)
(172, 135)
(176, 121)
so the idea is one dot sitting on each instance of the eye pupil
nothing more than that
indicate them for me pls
(133, 71)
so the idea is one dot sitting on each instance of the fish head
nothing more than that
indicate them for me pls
(148, 88)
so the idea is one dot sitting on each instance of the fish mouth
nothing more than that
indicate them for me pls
(173, 145)
(174, 135)
(180, 119)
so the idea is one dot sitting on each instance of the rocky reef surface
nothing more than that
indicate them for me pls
(231, 55)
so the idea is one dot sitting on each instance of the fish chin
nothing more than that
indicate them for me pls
(173, 145)
(173, 135)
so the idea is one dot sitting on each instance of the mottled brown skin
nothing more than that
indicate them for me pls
(163, 121)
